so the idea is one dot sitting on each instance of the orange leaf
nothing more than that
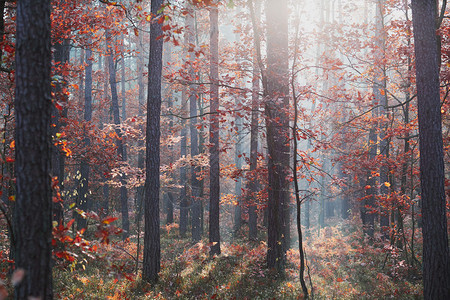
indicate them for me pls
(339, 279)
(109, 220)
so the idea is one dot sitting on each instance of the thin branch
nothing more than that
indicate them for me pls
(442, 14)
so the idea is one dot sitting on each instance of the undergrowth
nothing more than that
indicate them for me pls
(341, 266)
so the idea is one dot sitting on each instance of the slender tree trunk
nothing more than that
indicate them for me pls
(120, 145)
(183, 181)
(61, 58)
(170, 200)
(238, 159)
(407, 156)
(381, 98)
(140, 160)
(195, 183)
(104, 119)
(152, 250)
(368, 204)
(252, 184)
(83, 184)
(238, 163)
(214, 187)
(33, 207)
(255, 10)
(436, 261)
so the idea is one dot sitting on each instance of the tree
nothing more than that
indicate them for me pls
(33, 210)
(120, 144)
(214, 187)
(195, 183)
(61, 58)
(152, 250)
(83, 203)
(252, 184)
(276, 91)
(436, 260)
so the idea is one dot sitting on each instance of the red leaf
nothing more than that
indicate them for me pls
(70, 223)
(109, 220)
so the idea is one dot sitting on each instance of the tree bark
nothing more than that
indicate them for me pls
(33, 207)
(61, 58)
(183, 178)
(120, 145)
(381, 99)
(214, 187)
(252, 184)
(83, 184)
(152, 250)
(278, 133)
(195, 183)
(436, 261)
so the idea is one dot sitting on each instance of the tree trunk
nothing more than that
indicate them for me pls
(169, 215)
(120, 145)
(277, 123)
(195, 183)
(61, 58)
(152, 250)
(83, 184)
(33, 207)
(214, 187)
(436, 262)
(238, 163)
(381, 98)
(252, 184)
(183, 181)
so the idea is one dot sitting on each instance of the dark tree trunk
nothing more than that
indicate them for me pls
(122, 82)
(83, 184)
(140, 160)
(238, 163)
(183, 199)
(195, 183)
(277, 122)
(239, 99)
(170, 200)
(406, 150)
(61, 58)
(436, 261)
(152, 251)
(105, 119)
(368, 204)
(214, 187)
(33, 207)
(381, 99)
(252, 184)
(120, 145)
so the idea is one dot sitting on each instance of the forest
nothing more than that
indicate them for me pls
(224, 149)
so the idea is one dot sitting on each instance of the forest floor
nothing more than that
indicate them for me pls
(340, 266)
